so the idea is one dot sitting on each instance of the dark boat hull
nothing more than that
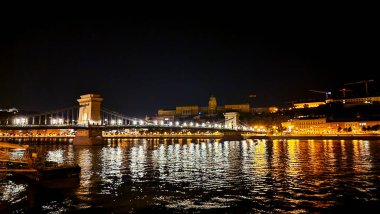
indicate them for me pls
(53, 177)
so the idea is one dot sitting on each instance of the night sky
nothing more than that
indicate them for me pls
(158, 60)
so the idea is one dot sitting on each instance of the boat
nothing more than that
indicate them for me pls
(9, 161)
(25, 165)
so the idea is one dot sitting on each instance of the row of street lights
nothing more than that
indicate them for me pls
(60, 121)
(192, 124)
(20, 121)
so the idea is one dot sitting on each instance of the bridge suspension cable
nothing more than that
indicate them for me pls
(110, 117)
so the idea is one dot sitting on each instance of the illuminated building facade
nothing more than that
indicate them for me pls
(262, 110)
(243, 108)
(321, 126)
(308, 105)
(211, 110)
(356, 100)
(352, 100)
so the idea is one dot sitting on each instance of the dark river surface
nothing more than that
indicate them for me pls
(207, 176)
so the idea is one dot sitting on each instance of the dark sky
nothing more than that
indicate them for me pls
(142, 62)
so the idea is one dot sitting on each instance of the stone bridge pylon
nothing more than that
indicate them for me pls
(89, 109)
(89, 114)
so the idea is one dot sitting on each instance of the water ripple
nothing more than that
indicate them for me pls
(290, 176)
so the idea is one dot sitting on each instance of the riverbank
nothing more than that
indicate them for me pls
(317, 137)
(68, 139)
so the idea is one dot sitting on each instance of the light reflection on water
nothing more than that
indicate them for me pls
(193, 175)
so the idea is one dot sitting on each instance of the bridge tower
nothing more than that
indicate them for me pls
(89, 114)
(231, 120)
(89, 111)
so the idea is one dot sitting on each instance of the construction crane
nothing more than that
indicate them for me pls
(344, 90)
(322, 92)
(360, 82)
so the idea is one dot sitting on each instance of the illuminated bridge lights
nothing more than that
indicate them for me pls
(20, 121)
(136, 123)
(56, 121)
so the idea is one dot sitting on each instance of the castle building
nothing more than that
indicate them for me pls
(211, 110)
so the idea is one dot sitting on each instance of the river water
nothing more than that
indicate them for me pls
(206, 176)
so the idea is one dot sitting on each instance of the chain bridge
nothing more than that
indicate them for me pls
(89, 122)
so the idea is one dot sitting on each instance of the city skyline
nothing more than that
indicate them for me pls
(146, 62)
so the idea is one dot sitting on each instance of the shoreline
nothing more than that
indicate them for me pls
(267, 137)
(317, 137)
